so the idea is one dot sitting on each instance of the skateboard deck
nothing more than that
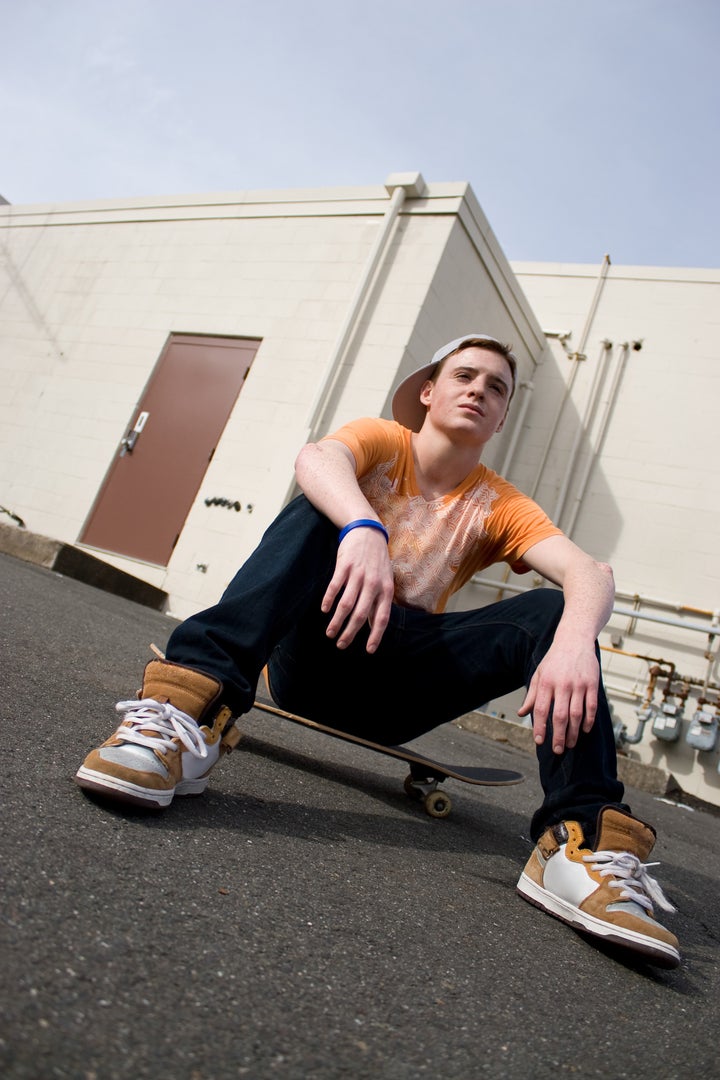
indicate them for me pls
(425, 774)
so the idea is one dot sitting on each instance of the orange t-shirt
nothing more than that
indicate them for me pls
(437, 546)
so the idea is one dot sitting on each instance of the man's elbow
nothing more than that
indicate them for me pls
(305, 459)
(606, 570)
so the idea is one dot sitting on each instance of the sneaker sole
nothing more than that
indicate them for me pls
(658, 951)
(123, 791)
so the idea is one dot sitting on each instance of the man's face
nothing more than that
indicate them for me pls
(470, 396)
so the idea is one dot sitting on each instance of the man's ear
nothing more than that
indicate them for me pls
(501, 425)
(426, 392)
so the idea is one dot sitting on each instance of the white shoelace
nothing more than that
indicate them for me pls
(152, 724)
(633, 878)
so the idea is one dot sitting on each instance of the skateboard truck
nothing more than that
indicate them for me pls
(425, 786)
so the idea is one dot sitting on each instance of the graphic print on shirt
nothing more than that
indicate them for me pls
(428, 540)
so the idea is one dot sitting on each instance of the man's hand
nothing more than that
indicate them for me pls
(568, 677)
(567, 681)
(363, 580)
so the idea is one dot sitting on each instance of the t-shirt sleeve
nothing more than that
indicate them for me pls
(518, 523)
(370, 441)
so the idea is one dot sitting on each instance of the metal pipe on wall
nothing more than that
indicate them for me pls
(582, 428)
(681, 624)
(669, 605)
(577, 356)
(527, 388)
(607, 412)
(347, 329)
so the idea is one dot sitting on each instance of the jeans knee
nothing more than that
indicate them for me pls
(549, 604)
(300, 522)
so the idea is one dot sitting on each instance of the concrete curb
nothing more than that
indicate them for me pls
(72, 562)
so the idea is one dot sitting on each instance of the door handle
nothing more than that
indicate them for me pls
(128, 441)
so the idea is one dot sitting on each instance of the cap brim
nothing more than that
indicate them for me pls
(407, 407)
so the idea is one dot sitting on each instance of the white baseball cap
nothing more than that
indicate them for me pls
(407, 407)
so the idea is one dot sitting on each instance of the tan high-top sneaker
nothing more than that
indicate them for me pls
(169, 740)
(607, 892)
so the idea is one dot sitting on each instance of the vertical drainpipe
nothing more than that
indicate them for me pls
(583, 426)
(576, 356)
(592, 458)
(527, 388)
(398, 186)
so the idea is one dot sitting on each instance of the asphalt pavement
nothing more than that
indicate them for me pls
(303, 919)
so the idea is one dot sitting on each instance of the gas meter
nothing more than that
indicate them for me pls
(703, 730)
(667, 723)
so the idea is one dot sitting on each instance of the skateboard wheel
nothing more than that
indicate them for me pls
(438, 804)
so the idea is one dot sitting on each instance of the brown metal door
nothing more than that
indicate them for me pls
(161, 461)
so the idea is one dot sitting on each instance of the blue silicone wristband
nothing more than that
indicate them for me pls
(369, 523)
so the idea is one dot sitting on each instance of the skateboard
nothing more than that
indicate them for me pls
(425, 774)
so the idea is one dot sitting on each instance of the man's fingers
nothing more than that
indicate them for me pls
(567, 692)
(378, 624)
(531, 708)
(361, 591)
(347, 618)
(353, 611)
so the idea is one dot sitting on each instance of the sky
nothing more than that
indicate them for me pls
(584, 127)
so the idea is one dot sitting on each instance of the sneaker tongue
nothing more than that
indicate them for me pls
(190, 691)
(619, 832)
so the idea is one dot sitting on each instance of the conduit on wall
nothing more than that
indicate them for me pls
(632, 613)
(583, 426)
(607, 412)
(577, 356)
(399, 186)
(527, 392)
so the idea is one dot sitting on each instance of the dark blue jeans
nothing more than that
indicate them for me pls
(428, 669)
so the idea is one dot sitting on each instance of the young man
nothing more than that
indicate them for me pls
(348, 588)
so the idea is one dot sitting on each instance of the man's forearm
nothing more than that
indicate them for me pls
(326, 475)
(589, 592)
